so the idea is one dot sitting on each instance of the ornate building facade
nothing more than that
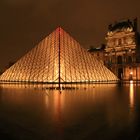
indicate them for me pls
(122, 50)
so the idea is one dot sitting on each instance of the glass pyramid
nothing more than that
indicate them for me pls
(58, 59)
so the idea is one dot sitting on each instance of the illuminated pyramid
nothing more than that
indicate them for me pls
(58, 59)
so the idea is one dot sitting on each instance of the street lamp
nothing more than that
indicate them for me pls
(131, 76)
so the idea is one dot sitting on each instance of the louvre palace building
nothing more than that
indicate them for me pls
(121, 53)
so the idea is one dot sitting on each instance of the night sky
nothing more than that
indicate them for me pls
(23, 23)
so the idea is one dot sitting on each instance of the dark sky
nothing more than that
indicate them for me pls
(23, 23)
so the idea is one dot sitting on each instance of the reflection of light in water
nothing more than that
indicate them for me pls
(58, 104)
(47, 98)
(131, 94)
(58, 100)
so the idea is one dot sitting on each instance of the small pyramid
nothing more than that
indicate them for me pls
(58, 59)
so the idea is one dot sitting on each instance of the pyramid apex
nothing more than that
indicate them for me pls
(60, 30)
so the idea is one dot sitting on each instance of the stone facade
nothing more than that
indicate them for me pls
(122, 50)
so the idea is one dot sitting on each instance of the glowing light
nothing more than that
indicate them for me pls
(131, 72)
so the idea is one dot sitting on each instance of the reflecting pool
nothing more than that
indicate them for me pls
(77, 112)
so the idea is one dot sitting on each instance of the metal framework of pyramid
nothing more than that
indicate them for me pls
(58, 59)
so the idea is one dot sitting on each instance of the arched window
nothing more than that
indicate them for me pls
(119, 41)
(119, 59)
(110, 60)
(129, 59)
(120, 73)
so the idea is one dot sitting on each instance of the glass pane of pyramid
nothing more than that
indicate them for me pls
(58, 58)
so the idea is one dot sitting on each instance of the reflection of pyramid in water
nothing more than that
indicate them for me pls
(58, 58)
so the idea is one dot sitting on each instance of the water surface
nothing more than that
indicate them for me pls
(85, 112)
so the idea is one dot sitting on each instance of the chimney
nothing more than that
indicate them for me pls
(109, 26)
(135, 24)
